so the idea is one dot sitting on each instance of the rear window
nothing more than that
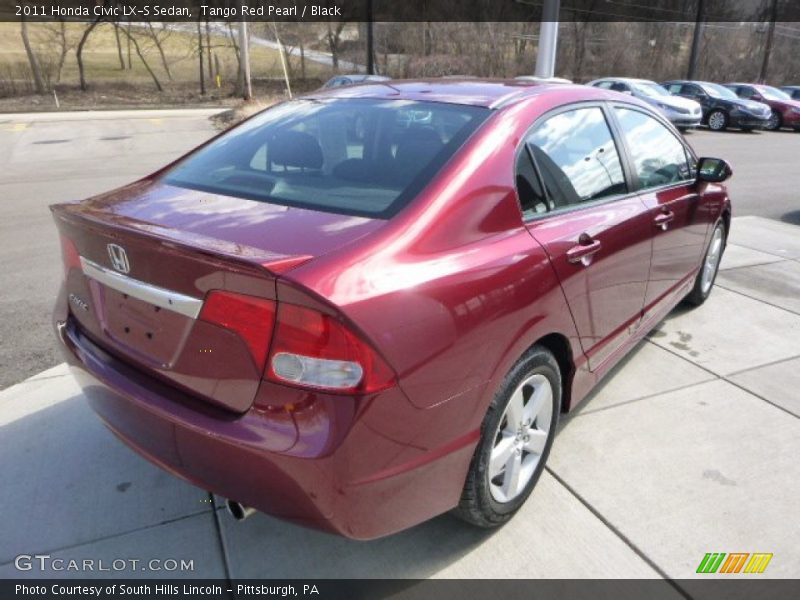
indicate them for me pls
(351, 156)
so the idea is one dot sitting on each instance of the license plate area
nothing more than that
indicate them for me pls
(153, 333)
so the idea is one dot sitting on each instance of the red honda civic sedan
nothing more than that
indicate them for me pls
(365, 307)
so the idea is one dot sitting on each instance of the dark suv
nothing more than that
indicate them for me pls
(721, 107)
(792, 90)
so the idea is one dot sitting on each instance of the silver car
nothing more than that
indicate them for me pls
(683, 113)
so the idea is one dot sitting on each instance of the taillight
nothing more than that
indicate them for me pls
(69, 254)
(312, 349)
(249, 317)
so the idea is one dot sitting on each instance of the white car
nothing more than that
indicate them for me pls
(684, 113)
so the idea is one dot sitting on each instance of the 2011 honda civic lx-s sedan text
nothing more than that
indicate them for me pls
(368, 306)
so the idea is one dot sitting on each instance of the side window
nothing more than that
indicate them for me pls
(659, 158)
(744, 92)
(674, 88)
(619, 87)
(606, 85)
(694, 91)
(576, 157)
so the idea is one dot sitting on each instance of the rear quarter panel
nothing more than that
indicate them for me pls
(454, 289)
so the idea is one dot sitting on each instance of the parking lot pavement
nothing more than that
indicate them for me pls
(690, 446)
(59, 157)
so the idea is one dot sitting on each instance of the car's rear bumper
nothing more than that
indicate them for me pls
(347, 465)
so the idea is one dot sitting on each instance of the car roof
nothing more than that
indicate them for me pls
(490, 93)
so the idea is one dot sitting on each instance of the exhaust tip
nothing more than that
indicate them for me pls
(238, 510)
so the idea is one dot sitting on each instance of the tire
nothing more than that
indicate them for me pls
(704, 282)
(717, 120)
(489, 499)
(775, 122)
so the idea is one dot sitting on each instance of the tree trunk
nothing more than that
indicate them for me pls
(209, 53)
(132, 39)
(333, 43)
(157, 42)
(239, 70)
(62, 57)
(130, 64)
(200, 54)
(119, 48)
(79, 53)
(38, 80)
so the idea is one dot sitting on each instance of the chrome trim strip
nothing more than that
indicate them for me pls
(180, 303)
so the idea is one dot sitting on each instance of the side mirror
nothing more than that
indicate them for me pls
(714, 170)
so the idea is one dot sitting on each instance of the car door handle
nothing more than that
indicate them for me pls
(664, 219)
(583, 251)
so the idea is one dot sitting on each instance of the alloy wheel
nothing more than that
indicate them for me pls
(711, 263)
(521, 438)
(716, 121)
(774, 121)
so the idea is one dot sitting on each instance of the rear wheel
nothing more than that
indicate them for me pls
(516, 437)
(710, 267)
(717, 120)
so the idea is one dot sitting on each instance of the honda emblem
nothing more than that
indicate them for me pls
(119, 258)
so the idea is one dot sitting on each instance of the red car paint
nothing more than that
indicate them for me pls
(788, 109)
(449, 293)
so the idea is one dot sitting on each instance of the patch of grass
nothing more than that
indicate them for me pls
(105, 73)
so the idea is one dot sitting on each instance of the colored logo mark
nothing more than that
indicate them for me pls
(735, 562)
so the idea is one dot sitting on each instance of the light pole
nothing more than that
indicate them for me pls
(548, 40)
(696, 39)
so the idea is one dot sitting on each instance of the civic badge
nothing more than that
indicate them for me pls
(119, 258)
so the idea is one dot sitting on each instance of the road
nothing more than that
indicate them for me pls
(766, 170)
(52, 158)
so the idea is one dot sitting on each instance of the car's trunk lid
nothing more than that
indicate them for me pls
(148, 254)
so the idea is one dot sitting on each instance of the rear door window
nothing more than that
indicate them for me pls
(576, 156)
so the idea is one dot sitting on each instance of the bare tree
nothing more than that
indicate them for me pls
(334, 38)
(119, 47)
(209, 51)
(36, 70)
(130, 64)
(140, 54)
(79, 52)
(159, 45)
(239, 70)
(200, 55)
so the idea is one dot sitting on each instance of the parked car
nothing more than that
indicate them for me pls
(360, 334)
(792, 90)
(785, 111)
(684, 113)
(340, 80)
(721, 107)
